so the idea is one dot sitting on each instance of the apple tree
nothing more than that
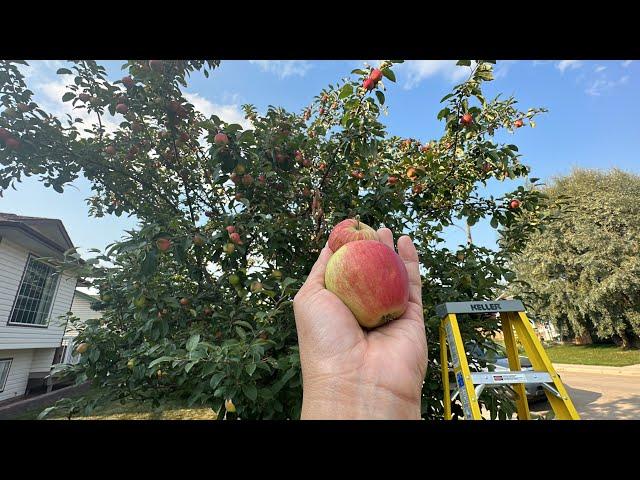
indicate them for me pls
(198, 298)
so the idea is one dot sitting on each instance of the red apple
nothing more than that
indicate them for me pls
(247, 180)
(128, 82)
(375, 75)
(137, 127)
(184, 301)
(12, 143)
(281, 158)
(122, 108)
(230, 229)
(368, 84)
(306, 163)
(411, 172)
(221, 139)
(238, 196)
(518, 123)
(322, 166)
(235, 238)
(262, 179)
(350, 230)
(515, 203)
(466, 119)
(163, 244)
(298, 156)
(417, 188)
(392, 180)
(235, 178)
(371, 280)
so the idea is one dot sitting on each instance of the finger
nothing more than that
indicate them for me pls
(315, 279)
(408, 253)
(386, 237)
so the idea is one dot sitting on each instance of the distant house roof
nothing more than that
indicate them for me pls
(49, 231)
(87, 296)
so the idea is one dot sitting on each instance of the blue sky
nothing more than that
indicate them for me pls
(592, 119)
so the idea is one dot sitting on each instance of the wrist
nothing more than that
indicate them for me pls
(343, 400)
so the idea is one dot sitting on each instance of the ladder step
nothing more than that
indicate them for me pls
(509, 377)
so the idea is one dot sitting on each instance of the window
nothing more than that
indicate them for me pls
(35, 294)
(5, 365)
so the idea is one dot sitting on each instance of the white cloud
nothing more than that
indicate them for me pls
(284, 68)
(626, 63)
(568, 64)
(230, 113)
(540, 62)
(52, 91)
(600, 68)
(502, 68)
(601, 85)
(418, 70)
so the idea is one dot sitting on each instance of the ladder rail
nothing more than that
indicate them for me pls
(472, 384)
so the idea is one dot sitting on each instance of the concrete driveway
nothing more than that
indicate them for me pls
(600, 396)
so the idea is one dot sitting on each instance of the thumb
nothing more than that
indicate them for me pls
(315, 279)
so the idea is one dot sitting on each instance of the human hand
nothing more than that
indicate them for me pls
(350, 373)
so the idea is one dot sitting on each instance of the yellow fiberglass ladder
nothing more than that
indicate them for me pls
(471, 384)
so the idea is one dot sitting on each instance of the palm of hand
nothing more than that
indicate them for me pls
(335, 350)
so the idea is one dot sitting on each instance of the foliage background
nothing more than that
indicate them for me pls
(282, 185)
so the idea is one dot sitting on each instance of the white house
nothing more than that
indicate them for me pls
(32, 299)
(81, 308)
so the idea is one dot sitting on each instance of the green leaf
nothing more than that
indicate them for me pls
(447, 97)
(150, 263)
(250, 391)
(68, 96)
(380, 96)
(387, 72)
(192, 343)
(250, 368)
(46, 412)
(64, 71)
(494, 222)
(160, 360)
(346, 90)
(241, 333)
(215, 379)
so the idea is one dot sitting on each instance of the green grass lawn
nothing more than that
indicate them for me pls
(131, 411)
(607, 355)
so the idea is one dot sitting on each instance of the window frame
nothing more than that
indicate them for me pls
(15, 300)
(3, 384)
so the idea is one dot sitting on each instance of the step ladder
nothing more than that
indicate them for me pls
(471, 384)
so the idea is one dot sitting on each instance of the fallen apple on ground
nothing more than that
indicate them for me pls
(371, 280)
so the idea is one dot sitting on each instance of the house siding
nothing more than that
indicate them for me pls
(81, 308)
(42, 359)
(18, 372)
(13, 259)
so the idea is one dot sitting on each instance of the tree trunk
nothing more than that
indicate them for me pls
(584, 339)
(625, 340)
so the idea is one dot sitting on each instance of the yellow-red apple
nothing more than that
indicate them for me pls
(371, 279)
(350, 230)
